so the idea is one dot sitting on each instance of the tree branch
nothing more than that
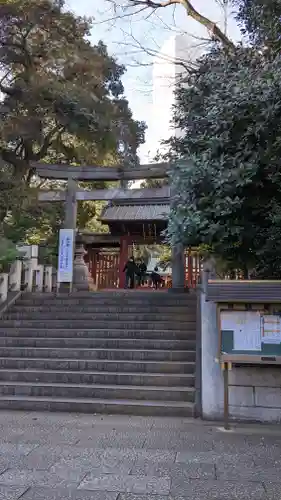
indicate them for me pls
(212, 27)
(47, 142)
(19, 164)
(186, 65)
(5, 76)
(11, 91)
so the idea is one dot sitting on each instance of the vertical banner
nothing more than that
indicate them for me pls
(65, 259)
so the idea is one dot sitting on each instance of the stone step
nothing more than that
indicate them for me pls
(137, 294)
(111, 378)
(107, 298)
(124, 366)
(117, 407)
(106, 304)
(97, 343)
(101, 352)
(36, 389)
(93, 308)
(104, 324)
(99, 316)
(94, 333)
(98, 354)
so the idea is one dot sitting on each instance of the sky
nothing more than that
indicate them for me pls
(136, 41)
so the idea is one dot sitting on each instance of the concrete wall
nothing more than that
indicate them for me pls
(254, 392)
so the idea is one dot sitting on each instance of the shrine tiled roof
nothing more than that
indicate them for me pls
(137, 212)
(247, 291)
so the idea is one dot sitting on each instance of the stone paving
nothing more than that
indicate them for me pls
(80, 457)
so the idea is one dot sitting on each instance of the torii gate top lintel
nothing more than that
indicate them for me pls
(98, 173)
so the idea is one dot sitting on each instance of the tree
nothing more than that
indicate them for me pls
(135, 6)
(261, 22)
(228, 176)
(8, 254)
(141, 28)
(63, 101)
(62, 96)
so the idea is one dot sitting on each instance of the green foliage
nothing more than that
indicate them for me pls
(228, 170)
(165, 257)
(8, 254)
(261, 21)
(143, 252)
(63, 102)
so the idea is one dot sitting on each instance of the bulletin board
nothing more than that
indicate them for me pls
(250, 336)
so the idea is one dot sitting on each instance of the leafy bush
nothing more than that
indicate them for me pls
(8, 254)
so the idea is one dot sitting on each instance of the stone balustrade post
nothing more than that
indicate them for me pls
(28, 275)
(39, 278)
(4, 286)
(15, 276)
(48, 279)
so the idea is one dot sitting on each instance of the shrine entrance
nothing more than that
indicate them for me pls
(106, 264)
(104, 268)
(130, 215)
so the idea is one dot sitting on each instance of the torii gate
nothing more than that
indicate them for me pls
(73, 174)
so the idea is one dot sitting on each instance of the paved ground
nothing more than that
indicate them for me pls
(71, 457)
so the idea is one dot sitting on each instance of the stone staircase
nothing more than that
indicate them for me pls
(125, 352)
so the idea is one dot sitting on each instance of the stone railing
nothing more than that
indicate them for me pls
(26, 275)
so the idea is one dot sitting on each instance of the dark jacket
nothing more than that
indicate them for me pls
(130, 268)
(156, 278)
(142, 268)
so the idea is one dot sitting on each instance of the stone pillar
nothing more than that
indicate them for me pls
(28, 275)
(190, 277)
(39, 278)
(81, 275)
(48, 279)
(178, 255)
(124, 184)
(178, 267)
(70, 217)
(15, 276)
(124, 244)
(4, 285)
(212, 378)
(70, 205)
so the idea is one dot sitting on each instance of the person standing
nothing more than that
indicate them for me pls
(142, 272)
(156, 278)
(130, 270)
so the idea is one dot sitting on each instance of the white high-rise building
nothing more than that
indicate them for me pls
(167, 72)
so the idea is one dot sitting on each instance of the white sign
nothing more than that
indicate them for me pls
(65, 259)
(246, 328)
(271, 329)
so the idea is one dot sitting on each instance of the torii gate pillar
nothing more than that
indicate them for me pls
(70, 217)
(178, 254)
(80, 280)
(70, 205)
(178, 267)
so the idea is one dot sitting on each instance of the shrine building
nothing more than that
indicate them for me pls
(136, 221)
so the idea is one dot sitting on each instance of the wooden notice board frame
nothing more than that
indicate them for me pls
(244, 358)
(259, 344)
(228, 359)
